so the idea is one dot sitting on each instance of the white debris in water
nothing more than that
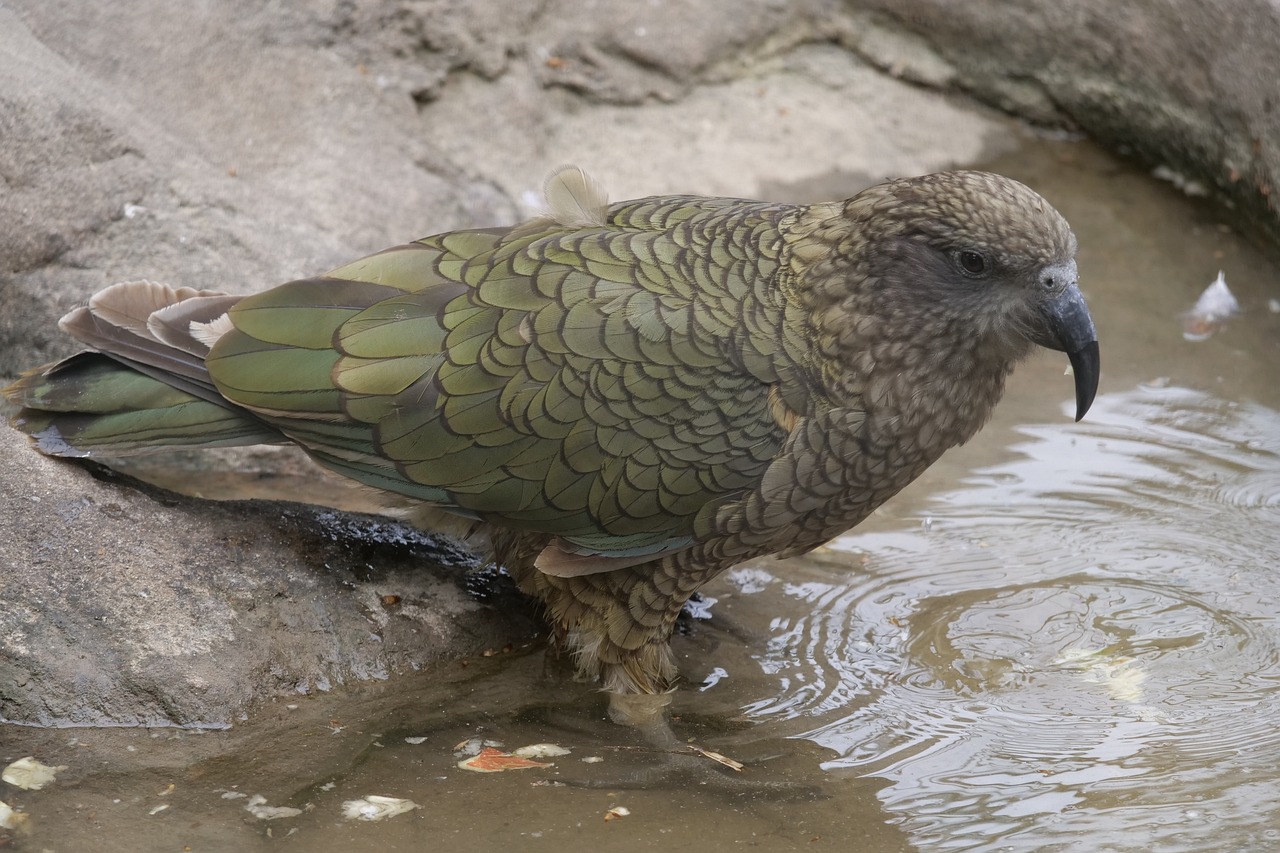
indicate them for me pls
(1124, 682)
(1120, 675)
(29, 774)
(158, 809)
(414, 741)
(474, 746)
(541, 750)
(592, 759)
(374, 807)
(233, 795)
(699, 606)
(1214, 306)
(749, 580)
(10, 819)
(257, 806)
(713, 678)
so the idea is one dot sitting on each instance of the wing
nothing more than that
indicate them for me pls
(605, 384)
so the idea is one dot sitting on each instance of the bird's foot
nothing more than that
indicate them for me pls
(697, 767)
(681, 764)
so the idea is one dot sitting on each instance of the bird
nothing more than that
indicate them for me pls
(618, 401)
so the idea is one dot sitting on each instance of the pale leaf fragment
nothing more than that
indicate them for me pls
(10, 819)
(257, 806)
(717, 757)
(29, 774)
(374, 807)
(541, 750)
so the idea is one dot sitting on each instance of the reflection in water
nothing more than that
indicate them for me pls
(1081, 653)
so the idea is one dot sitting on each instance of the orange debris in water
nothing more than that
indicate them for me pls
(492, 760)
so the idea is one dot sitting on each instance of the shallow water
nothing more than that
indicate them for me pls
(1098, 665)
(1064, 637)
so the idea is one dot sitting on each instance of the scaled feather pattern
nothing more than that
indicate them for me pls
(629, 398)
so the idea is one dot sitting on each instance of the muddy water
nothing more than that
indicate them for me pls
(1064, 637)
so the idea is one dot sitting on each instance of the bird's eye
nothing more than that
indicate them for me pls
(971, 262)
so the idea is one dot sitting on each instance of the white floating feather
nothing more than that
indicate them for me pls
(1214, 306)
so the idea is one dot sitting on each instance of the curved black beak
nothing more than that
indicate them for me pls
(1086, 366)
(1069, 328)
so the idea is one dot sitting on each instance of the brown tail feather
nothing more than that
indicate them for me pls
(149, 327)
(190, 325)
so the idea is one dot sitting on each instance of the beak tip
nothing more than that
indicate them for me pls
(1086, 366)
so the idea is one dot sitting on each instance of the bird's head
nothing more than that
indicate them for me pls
(982, 256)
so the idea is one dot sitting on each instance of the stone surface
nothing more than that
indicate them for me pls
(237, 145)
(124, 604)
(1189, 84)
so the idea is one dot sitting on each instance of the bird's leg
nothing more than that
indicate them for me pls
(647, 714)
(640, 691)
(682, 762)
(640, 710)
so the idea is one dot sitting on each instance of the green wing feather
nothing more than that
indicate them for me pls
(587, 382)
(90, 404)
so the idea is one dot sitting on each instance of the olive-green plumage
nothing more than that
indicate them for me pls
(629, 398)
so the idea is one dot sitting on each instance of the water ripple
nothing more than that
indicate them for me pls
(1085, 641)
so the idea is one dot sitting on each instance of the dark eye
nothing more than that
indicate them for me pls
(972, 262)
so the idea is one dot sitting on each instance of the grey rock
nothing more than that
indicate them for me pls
(123, 604)
(1189, 85)
(178, 144)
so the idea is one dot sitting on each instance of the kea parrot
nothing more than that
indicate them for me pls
(618, 400)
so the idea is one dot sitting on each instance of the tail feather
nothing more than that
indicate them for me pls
(146, 388)
(129, 305)
(192, 325)
(116, 322)
(91, 404)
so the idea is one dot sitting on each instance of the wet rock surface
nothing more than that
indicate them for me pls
(238, 146)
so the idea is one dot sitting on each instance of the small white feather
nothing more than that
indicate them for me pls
(1215, 306)
(575, 199)
(1217, 302)
(209, 333)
